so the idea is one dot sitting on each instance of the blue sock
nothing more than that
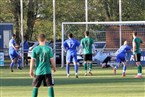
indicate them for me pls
(124, 68)
(19, 62)
(12, 65)
(67, 68)
(76, 68)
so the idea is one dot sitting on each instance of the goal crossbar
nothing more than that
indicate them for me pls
(110, 23)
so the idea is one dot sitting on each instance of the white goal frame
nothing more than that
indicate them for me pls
(119, 23)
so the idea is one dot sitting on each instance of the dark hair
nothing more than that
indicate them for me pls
(13, 35)
(70, 35)
(41, 37)
(87, 33)
(25, 37)
(135, 33)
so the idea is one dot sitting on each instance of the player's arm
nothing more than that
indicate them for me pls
(134, 46)
(64, 46)
(143, 43)
(78, 45)
(52, 61)
(31, 67)
(32, 61)
(53, 65)
(12, 44)
(81, 47)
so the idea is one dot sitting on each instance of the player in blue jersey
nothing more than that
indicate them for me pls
(70, 46)
(13, 53)
(121, 53)
(26, 49)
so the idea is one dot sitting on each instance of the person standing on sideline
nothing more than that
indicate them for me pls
(42, 57)
(137, 53)
(26, 49)
(13, 53)
(88, 47)
(70, 46)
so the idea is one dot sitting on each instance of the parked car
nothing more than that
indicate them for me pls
(32, 46)
(58, 51)
(50, 44)
(31, 43)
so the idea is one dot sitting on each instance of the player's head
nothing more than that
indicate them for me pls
(134, 34)
(25, 37)
(13, 36)
(125, 42)
(86, 33)
(41, 38)
(70, 35)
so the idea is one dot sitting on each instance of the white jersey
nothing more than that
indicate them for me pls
(100, 56)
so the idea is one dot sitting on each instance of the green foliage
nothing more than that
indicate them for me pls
(38, 14)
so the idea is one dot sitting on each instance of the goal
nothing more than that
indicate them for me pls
(111, 33)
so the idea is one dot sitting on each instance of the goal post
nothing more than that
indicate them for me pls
(119, 24)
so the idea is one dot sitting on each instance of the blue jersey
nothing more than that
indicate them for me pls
(70, 45)
(26, 46)
(12, 42)
(123, 50)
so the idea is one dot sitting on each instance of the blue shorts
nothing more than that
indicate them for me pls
(71, 58)
(13, 55)
(120, 58)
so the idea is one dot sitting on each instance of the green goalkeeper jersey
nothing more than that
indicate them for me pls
(42, 56)
(87, 43)
(137, 41)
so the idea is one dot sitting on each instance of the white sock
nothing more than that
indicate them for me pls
(139, 74)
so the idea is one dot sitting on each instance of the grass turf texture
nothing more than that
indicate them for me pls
(102, 84)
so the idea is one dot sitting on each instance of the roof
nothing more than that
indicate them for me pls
(6, 23)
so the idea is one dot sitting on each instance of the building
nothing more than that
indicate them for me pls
(113, 36)
(6, 30)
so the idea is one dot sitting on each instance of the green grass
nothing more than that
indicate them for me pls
(102, 84)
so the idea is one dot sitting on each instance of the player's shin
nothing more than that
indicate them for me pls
(76, 68)
(90, 66)
(124, 68)
(19, 62)
(67, 69)
(139, 70)
(85, 67)
(12, 65)
(50, 92)
(115, 68)
(35, 92)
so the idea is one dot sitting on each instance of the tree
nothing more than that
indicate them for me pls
(15, 9)
(38, 14)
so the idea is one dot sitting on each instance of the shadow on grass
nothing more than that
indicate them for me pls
(71, 81)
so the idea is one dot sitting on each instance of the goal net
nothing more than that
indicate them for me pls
(108, 36)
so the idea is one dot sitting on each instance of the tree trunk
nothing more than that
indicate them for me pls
(107, 11)
(30, 19)
(16, 13)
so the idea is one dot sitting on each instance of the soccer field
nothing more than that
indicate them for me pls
(102, 84)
